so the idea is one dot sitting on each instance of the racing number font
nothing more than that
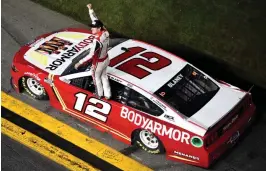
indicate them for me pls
(97, 109)
(150, 60)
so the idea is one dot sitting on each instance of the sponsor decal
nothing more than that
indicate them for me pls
(154, 127)
(175, 80)
(196, 141)
(171, 118)
(186, 155)
(53, 46)
(70, 53)
(129, 85)
(230, 123)
(162, 94)
(33, 75)
(234, 138)
(115, 79)
(158, 103)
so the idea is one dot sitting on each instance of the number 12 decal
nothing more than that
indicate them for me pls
(97, 109)
(150, 60)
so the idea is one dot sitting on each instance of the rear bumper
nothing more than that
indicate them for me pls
(231, 137)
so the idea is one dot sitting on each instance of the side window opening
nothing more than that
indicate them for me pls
(121, 94)
(71, 70)
(117, 90)
(130, 97)
(85, 83)
(134, 99)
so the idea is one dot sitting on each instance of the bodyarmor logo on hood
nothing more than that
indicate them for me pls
(70, 53)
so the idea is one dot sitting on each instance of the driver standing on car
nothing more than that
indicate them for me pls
(98, 53)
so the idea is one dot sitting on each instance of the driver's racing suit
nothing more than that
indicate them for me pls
(100, 60)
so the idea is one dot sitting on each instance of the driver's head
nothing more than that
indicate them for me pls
(96, 26)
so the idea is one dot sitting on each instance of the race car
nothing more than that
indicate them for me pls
(160, 102)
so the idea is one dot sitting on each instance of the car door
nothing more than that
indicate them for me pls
(138, 112)
(77, 98)
(141, 103)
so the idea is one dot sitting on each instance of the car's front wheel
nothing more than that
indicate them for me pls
(148, 142)
(34, 88)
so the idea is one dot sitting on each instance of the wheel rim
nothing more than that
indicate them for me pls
(35, 86)
(148, 139)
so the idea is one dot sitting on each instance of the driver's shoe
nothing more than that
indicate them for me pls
(107, 98)
(96, 95)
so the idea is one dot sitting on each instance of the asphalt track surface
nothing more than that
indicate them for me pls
(23, 20)
(16, 156)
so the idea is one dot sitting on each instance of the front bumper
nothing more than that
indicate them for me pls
(14, 80)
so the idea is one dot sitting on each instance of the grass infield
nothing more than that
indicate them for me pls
(231, 32)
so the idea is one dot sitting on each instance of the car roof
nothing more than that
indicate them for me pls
(151, 74)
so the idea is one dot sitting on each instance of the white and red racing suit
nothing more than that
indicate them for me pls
(100, 60)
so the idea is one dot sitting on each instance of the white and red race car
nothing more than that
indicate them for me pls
(159, 101)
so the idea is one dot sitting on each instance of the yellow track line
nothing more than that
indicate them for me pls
(48, 150)
(68, 133)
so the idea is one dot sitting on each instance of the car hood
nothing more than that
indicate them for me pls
(55, 53)
(218, 107)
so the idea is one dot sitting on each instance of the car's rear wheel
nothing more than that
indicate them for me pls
(148, 142)
(34, 88)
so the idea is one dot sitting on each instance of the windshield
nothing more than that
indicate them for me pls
(188, 91)
(71, 70)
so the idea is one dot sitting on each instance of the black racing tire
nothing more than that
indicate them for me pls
(39, 94)
(138, 141)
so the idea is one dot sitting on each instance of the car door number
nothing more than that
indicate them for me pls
(97, 108)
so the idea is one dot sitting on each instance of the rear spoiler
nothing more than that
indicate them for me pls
(250, 88)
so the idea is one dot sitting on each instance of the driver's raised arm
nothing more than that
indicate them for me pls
(92, 13)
